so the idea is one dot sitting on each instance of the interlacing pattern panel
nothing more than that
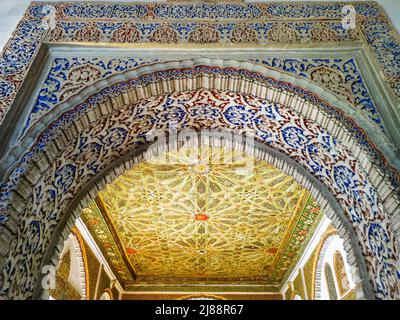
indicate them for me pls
(107, 139)
(197, 214)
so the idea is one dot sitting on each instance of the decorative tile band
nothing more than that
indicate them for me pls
(340, 76)
(201, 11)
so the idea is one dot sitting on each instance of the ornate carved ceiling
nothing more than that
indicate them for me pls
(197, 218)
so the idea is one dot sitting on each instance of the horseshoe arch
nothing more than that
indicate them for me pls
(108, 128)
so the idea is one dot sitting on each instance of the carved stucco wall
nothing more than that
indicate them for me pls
(322, 252)
(309, 274)
(72, 271)
(389, 204)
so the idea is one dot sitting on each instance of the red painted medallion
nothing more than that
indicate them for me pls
(200, 217)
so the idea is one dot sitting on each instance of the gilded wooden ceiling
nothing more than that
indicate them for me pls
(194, 216)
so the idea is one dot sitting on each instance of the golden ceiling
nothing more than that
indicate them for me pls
(193, 216)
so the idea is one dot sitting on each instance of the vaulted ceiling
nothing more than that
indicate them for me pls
(203, 216)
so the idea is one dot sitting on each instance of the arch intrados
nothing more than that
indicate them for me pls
(83, 268)
(318, 190)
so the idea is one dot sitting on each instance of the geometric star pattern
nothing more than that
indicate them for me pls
(210, 215)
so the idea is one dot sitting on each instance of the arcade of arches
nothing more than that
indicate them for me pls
(200, 150)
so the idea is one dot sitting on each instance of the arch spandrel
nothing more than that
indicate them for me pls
(70, 171)
(77, 276)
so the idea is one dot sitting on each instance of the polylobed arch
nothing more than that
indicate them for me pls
(111, 101)
(78, 269)
(80, 250)
(329, 245)
(200, 296)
